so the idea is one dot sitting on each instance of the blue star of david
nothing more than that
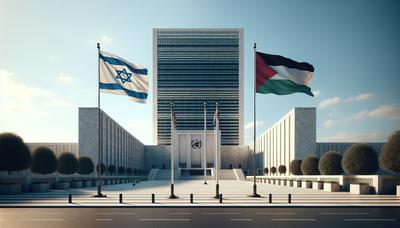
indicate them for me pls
(126, 78)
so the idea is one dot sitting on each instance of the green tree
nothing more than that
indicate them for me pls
(67, 163)
(15, 155)
(330, 163)
(85, 165)
(389, 158)
(360, 159)
(43, 161)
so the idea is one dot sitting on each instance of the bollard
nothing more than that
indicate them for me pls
(191, 197)
(120, 198)
(153, 198)
(220, 198)
(290, 198)
(69, 198)
(270, 198)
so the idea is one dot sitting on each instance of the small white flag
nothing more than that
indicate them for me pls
(120, 77)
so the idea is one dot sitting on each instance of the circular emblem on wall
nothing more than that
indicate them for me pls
(196, 143)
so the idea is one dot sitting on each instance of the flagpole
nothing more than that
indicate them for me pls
(216, 150)
(99, 194)
(205, 143)
(254, 126)
(172, 196)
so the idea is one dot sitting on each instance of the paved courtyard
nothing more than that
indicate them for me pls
(235, 193)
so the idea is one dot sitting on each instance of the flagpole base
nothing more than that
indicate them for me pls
(99, 194)
(255, 195)
(216, 192)
(173, 196)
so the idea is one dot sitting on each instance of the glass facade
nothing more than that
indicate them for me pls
(193, 66)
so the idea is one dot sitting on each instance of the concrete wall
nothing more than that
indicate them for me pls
(118, 146)
(58, 148)
(235, 155)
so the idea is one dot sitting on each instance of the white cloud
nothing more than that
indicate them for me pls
(329, 102)
(385, 111)
(106, 39)
(360, 97)
(249, 125)
(357, 116)
(334, 101)
(355, 137)
(316, 92)
(65, 79)
(18, 98)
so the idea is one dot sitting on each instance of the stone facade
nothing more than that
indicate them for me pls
(119, 147)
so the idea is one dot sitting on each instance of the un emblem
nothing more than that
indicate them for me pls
(196, 143)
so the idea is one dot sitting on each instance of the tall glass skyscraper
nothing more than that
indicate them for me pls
(191, 66)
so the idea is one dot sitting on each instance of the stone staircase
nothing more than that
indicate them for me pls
(224, 174)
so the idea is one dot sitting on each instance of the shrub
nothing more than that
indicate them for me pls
(360, 159)
(389, 157)
(282, 169)
(129, 171)
(295, 167)
(102, 168)
(309, 165)
(121, 170)
(43, 161)
(67, 163)
(15, 155)
(266, 170)
(85, 165)
(111, 169)
(273, 170)
(330, 163)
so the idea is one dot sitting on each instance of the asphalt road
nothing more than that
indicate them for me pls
(200, 217)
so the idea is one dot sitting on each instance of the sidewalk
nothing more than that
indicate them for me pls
(235, 194)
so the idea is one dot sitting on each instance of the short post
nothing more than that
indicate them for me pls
(220, 198)
(270, 198)
(191, 197)
(153, 198)
(120, 198)
(69, 198)
(290, 198)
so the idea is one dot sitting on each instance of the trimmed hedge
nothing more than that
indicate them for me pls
(67, 163)
(85, 165)
(43, 161)
(273, 170)
(15, 154)
(295, 167)
(121, 170)
(266, 170)
(330, 163)
(389, 158)
(111, 169)
(102, 168)
(360, 159)
(309, 165)
(282, 169)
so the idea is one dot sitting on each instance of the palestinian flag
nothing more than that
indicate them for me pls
(279, 75)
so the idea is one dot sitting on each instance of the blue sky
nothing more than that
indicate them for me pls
(48, 60)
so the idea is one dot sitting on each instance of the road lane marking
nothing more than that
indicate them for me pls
(344, 213)
(42, 219)
(165, 220)
(180, 213)
(293, 220)
(51, 213)
(370, 220)
(103, 219)
(221, 213)
(115, 213)
(276, 213)
(241, 220)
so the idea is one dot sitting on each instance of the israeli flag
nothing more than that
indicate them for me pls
(120, 77)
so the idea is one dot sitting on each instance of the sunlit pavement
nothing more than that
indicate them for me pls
(235, 193)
